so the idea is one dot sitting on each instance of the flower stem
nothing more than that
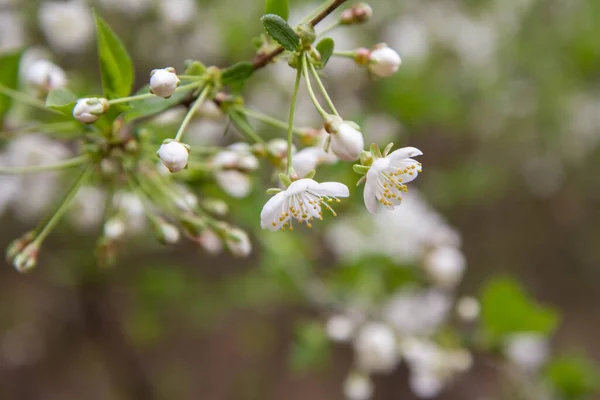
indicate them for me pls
(72, 162)
(149, 95)
(321, 86)
(314, 99)
(25, 99)
(268, 120)
(192, 111)
(64, 206)
(291, 121)
(347, 54)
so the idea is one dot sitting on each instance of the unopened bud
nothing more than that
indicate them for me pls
(45, 75)
(210, 241)
(346, 140)
(18, 245)
(165, 232)
(384, 61)
(216, 206)
(357, 14)
(238, 242)
(89, 110)
(163, 82)
(114, 228)
(307, 34)
(26, 259)
(174, 155)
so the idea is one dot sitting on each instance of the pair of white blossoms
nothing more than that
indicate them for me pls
(304, 199)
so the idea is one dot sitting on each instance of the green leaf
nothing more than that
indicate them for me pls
(310, 349)
(152, 105)
(61, 100)
(325, 48)
(506, 309)
(279, 30)
(9, 77)
(277, 7)
(194, 68)
(573, 376)
(237, 72)
(116, 67)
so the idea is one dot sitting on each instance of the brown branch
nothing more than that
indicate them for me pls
(262, 60)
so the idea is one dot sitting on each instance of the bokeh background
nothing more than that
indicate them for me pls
(500, 95)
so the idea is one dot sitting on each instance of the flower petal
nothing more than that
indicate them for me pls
(403, 153)
(370, 191)
(333, 189)
(271, 212)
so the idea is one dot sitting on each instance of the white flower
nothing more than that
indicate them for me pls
(375, 348)
(238, 242)
(163, 82)
(425, 383)
(178, 12)
(340, 328)
(346, 141)
(231, 169)
(169, 233)
(528, 350)
(384, 61)
(12, 30)
(68, 26)
(131, 210)
(210, 241)
(174, 155)
(235, 183)
(45, 75)
(417, 312)
(89, 110)
(446, 265)
(358, 387)
(468, 308)
(387, 178)
(278, 148)
(302, 200)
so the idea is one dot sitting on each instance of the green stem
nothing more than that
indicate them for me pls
(63, 207)
(72, 162)
(192, 111)
(291, 121)
(320, 109)
(321, 86)
(25, 99)
(347, 54)
(149, 95)
(52, 127)
(330, 28)
(268, 120)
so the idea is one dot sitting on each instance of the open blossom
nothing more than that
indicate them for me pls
(231, 168)
(174, 155)
(384, 61)
(302, 200)
(45, 75)
(387, 178)
(375, 348)
(68, 26)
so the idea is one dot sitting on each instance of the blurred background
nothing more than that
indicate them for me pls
(500, 95)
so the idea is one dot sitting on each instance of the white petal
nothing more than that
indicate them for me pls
(370, 191)
(333, 189)
(302, 185)
(271, 212)
(407, 163)
(403, 153)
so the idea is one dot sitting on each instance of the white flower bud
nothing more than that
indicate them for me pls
(89, 110)
(26, 259)
(376, 349)
(340, 328)
(45, 75)
(528, 350)
(384, 61)
(468, 308)
(358, 387)
(446, 265)
(346, 140)
(210, 241)
(114, 228)
(238, 242)
(169, 233)
(174, 155)
(163, 82)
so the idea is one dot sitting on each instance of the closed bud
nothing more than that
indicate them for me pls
(45, 75)
(165, 232)
(114, 228)
(210, 241)
(384, 61)
(346, 140)
(238, 242)
(216, 206)
(19, 244)
(174, 155)
(357, 14)
(89, 110)
(307, 34)
(26, 259)
(163, 82)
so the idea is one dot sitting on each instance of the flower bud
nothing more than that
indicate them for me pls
(375, 348)
(210, 241)
(174, 155)
(215, 206)
(165, 232)
(26, 259)
(163, 82)
(89, 110)
(357, 14)
(238, 242)
(445, 265)
(346, 140)
(468, 308)
(358, 387)
(384, 61)
(114, 228)
(45, 75)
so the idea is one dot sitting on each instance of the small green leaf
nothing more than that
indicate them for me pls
(277, 7)
(237, 72)
(325, 48)
(9, 77)
(194, 68)
(116, 67)
(279, 30)
(310, 349)
(573, 376)
(506, 309)
(61, 100)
